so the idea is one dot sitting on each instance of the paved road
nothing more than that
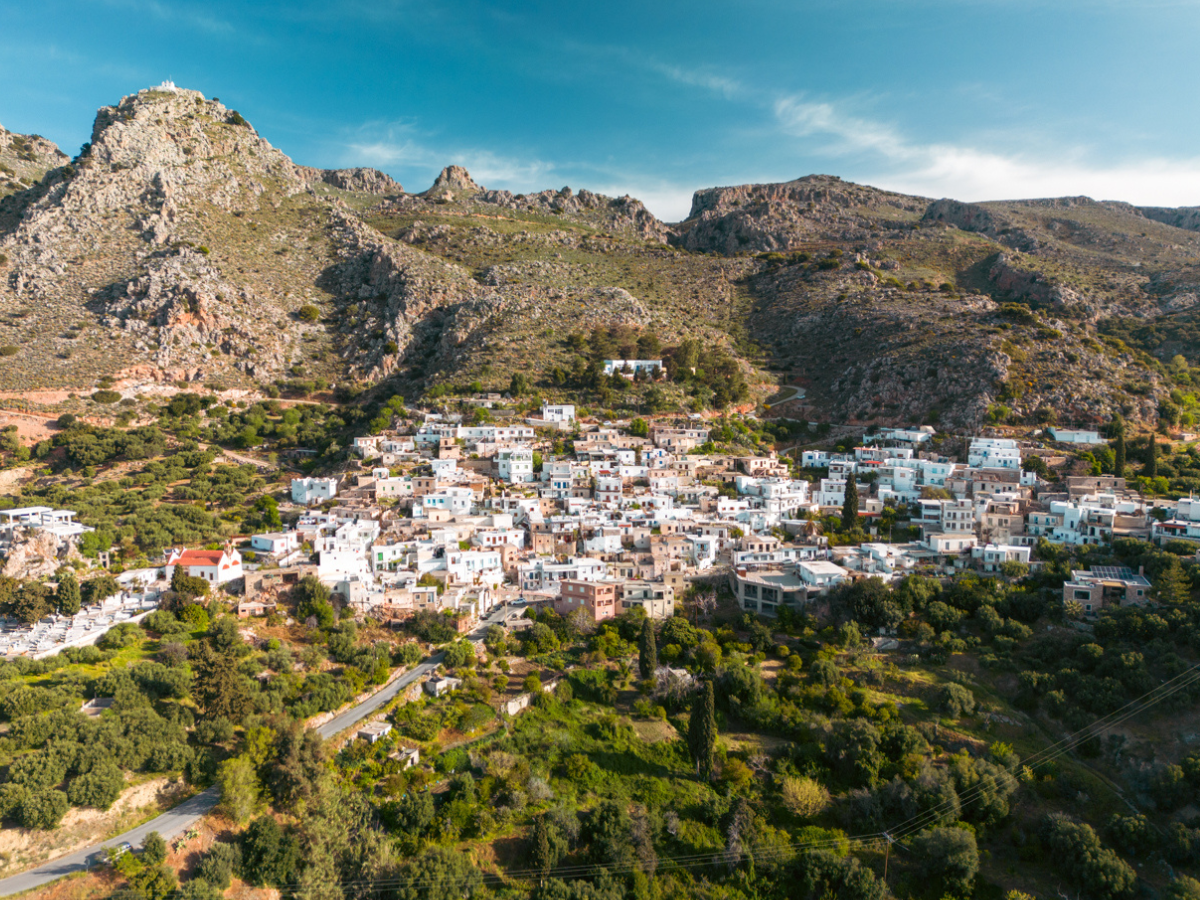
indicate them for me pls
(797, 394)
(177, 820)
(170, 824)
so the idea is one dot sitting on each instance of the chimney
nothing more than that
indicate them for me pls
(1141, 570)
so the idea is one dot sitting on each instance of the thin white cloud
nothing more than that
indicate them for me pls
(701, 78)
(969, 173)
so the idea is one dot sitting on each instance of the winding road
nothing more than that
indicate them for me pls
(179, 819)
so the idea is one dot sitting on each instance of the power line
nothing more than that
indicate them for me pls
(893, 835)
(1133, 708)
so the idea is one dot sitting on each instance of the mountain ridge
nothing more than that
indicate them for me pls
(182, 246)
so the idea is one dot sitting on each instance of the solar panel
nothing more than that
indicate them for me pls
(1120, 573)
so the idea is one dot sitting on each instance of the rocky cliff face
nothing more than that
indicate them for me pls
(1184, 217)
(180, 245)
(754, 218)
(24, 160)
(356, 180)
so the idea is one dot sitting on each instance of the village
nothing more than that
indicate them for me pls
(465, 519)
(591, 519)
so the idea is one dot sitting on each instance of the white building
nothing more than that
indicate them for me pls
(994, 453)
(515, 465)
(559, 412)
(991, 556)
(214, 566)
(471, 566)
(1072, 436)
(630, 367)
(544, 574)
(276, 543)
(60, 522)
(820, 573)
(307, 491)
(454, 500)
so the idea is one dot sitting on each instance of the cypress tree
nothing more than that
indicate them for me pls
(850, 505)
(67, 598)
(541, 854)
(1151, 457)
(1119, 453)
(702, 731)
(647, 651)
(1171, 585)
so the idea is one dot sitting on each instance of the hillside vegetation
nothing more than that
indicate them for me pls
(179, 245)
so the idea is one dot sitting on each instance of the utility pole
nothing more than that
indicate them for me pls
(886, 854)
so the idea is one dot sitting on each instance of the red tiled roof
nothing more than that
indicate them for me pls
(200, 558)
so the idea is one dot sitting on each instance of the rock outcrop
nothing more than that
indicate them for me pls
(358, 180)
(755, 218)
(1183, 217)
(453, 182)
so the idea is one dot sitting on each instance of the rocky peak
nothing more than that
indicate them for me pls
(454, 181)
(771, 217)
(24, 159)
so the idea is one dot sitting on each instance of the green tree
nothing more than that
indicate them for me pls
(1171, 584)
(957, 700)
(647, 650)
(154, 849)
(459, 654)
(518, 384)
(546, 846)
(949, 855)
(1151, 468)
(1184, 888)
(436, 874)
(219, 688)
(850, 504)
(187, 586)
(31, 602)
(100, 588)
(702, 730)
(1037, 465)
(68, 598)
(42, 810)
(240, 788)
(1096, 870)
(639, 427)
(269, 855)
(99, 787)
(1119, 455)
(312, 601)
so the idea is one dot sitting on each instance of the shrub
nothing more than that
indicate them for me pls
(309, 313)
(950, 855)
(219, 864)
(99, 788)
(106, 397)
(42, 810)
(803, 797)
(9, 350)
(957, 700)
(121, 636)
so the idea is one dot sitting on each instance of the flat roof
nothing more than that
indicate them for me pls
(822, 567)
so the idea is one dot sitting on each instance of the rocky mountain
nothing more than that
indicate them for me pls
(24, 159)
(181, 246)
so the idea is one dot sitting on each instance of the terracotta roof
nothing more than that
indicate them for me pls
(200, 558)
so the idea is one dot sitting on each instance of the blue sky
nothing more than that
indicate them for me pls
(974, 99)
